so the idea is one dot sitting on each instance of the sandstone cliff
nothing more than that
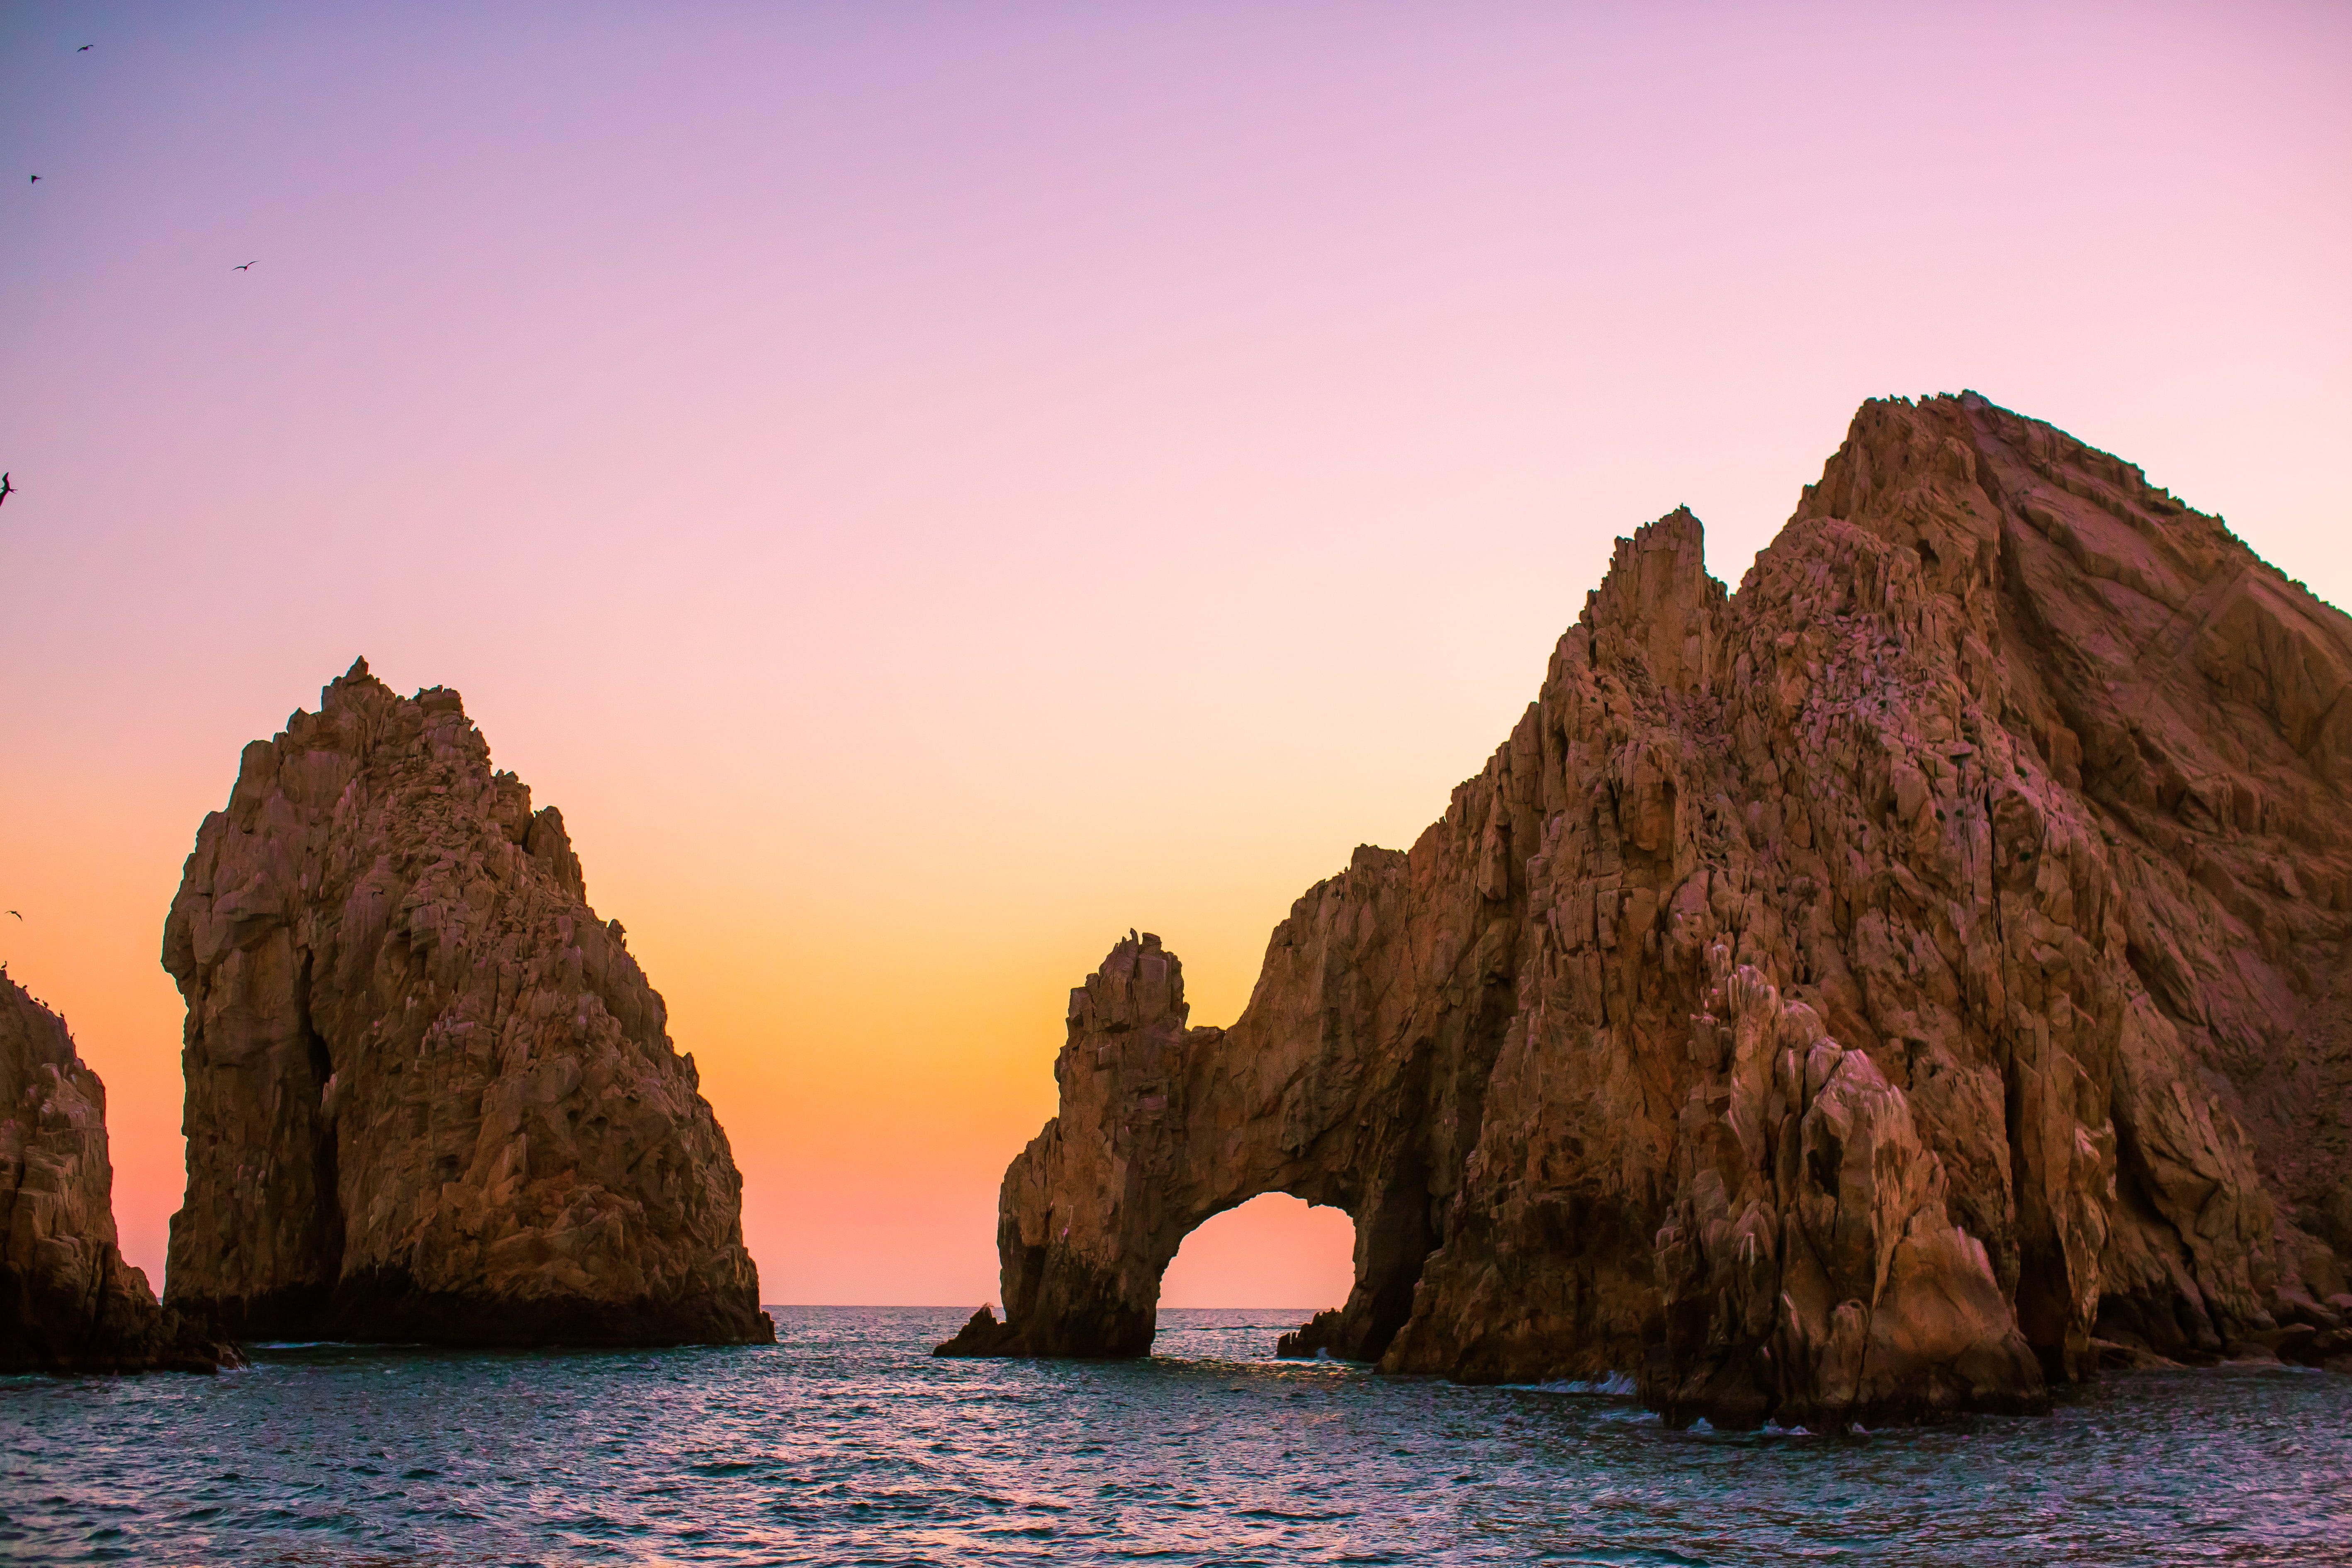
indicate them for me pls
(429, 1093)
(1915, 978)
(69, 1302)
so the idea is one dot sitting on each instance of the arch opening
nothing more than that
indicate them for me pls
(1275, 1250)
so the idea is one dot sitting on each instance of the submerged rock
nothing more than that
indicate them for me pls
(68, 1301)
(430, 1095)
(1320, 1335)
(1873, 994)
(981, 1335)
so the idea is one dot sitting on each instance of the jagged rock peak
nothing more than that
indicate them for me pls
(68, 1300)
(1657, 607)
(1916, 978)
(430, 1094)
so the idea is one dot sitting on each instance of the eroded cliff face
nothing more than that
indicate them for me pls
(1915, 978)
(430, 1094)
(69, 1302)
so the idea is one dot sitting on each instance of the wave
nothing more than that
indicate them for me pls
(1616, 1385)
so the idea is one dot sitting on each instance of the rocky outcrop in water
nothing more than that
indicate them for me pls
(1914, 979)
(430, 1095)
(68, 1301)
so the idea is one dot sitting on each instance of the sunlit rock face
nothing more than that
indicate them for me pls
(68, 1301)
(1882, 991)
(429, 1093)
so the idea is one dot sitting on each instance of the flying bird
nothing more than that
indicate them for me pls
(14, 912)
(246, 268)
(5, 488)
(85, 49)
(36, 179)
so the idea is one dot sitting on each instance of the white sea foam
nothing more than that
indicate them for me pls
(1616, 1385)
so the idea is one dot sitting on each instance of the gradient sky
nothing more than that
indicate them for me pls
(926, 488)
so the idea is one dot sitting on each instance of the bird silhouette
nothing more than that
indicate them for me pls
(85, 49)
(14, 912)
(36, 179)
(246, 268)
(6, 488)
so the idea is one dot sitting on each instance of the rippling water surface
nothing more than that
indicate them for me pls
(848, 1444)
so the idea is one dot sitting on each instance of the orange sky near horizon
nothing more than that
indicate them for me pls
(926, 493)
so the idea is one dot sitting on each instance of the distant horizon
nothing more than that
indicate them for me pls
(950, 1307)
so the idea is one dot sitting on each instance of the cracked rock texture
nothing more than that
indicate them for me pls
(430, 1095)
(1914, 979)
(69, 1302)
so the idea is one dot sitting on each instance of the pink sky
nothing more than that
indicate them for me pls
(927, 489)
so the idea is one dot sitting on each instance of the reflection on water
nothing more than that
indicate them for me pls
(845, 1443)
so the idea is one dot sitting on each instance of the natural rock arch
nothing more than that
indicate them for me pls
(1916, 978)
(1163, 1127)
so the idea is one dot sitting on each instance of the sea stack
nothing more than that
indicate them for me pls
(69, 1302)
(1918, 978)
(430, 1095)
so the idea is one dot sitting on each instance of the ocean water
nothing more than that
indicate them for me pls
(846, 1443)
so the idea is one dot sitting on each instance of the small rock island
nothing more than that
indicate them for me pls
(430, 1095)
(1914, 980)
(68, 1300)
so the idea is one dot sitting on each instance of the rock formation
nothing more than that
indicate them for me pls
(1917, 977)
(430, 1095)
(69, 1302)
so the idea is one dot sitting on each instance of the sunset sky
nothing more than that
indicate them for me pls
(926, 488)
